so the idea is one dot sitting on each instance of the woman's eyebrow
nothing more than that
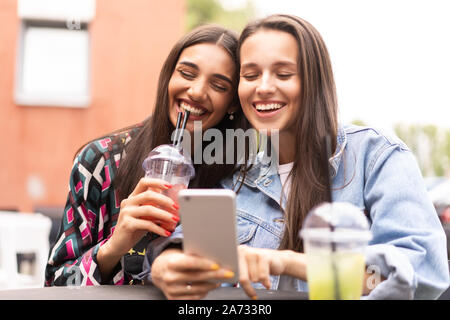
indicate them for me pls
(221, 76)
(216, 75)
(278, 63)
(248, 65)
(285, 63)
(189, 64)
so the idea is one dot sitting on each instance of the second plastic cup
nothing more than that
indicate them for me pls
(335, 236)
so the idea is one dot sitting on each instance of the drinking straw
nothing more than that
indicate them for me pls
(167, 168)
(183, 126)
(327, 146)
(325, 164)
(175, 138)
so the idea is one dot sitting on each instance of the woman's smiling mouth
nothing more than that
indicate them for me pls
(267, 108)
(196, 111)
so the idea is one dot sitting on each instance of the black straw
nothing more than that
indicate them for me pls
(167, 169)
(175, 138)
(183, 126)
(326, 169)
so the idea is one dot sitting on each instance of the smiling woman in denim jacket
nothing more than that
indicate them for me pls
(286, 83)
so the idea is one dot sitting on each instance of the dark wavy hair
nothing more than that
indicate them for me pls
(157, 128)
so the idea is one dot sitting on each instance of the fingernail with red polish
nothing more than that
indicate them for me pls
(168, 186)
(175, 206)
(168, 233)
(175, 218)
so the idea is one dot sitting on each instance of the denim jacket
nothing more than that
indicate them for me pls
(378, 174)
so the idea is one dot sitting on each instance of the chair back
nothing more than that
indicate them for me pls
(23, 234)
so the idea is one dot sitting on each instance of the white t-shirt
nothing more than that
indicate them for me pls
(283, 171)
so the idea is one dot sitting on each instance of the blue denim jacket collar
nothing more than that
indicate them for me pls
(263, 175)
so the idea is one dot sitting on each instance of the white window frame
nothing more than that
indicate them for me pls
(73, 15)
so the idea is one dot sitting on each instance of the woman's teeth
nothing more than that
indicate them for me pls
(271, 106)
(193, 110)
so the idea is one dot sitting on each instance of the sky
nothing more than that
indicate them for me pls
(391, 58)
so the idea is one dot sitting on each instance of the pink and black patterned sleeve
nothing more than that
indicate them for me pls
(89, 218)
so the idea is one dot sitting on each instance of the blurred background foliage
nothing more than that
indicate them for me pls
(429, 143)
(215, 11)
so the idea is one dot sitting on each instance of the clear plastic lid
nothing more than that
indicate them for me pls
(170, 159)
(336, 222)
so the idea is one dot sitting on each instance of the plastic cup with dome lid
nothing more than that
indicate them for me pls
(335, 236)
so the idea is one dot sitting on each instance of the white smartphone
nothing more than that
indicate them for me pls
(208, 218)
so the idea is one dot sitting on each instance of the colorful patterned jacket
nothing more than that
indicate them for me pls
(90, 215)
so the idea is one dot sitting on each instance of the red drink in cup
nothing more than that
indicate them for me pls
(168, 163)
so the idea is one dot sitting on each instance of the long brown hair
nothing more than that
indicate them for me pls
(157, 128)
(316, 118)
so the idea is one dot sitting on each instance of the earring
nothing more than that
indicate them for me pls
(230, 116)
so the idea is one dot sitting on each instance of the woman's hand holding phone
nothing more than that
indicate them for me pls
(187, 277)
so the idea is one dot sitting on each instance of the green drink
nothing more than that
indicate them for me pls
(349, 275)
(335, 236)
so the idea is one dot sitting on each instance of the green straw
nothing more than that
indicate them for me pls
(325, 163)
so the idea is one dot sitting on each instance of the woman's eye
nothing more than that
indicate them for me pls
(284, 75)
(186, 74)
(249, 77)
(219, 87)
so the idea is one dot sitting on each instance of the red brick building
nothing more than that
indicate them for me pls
(125, 44)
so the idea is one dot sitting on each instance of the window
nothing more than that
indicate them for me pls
(53, 56)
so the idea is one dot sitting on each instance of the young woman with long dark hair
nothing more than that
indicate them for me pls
(111, 210)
